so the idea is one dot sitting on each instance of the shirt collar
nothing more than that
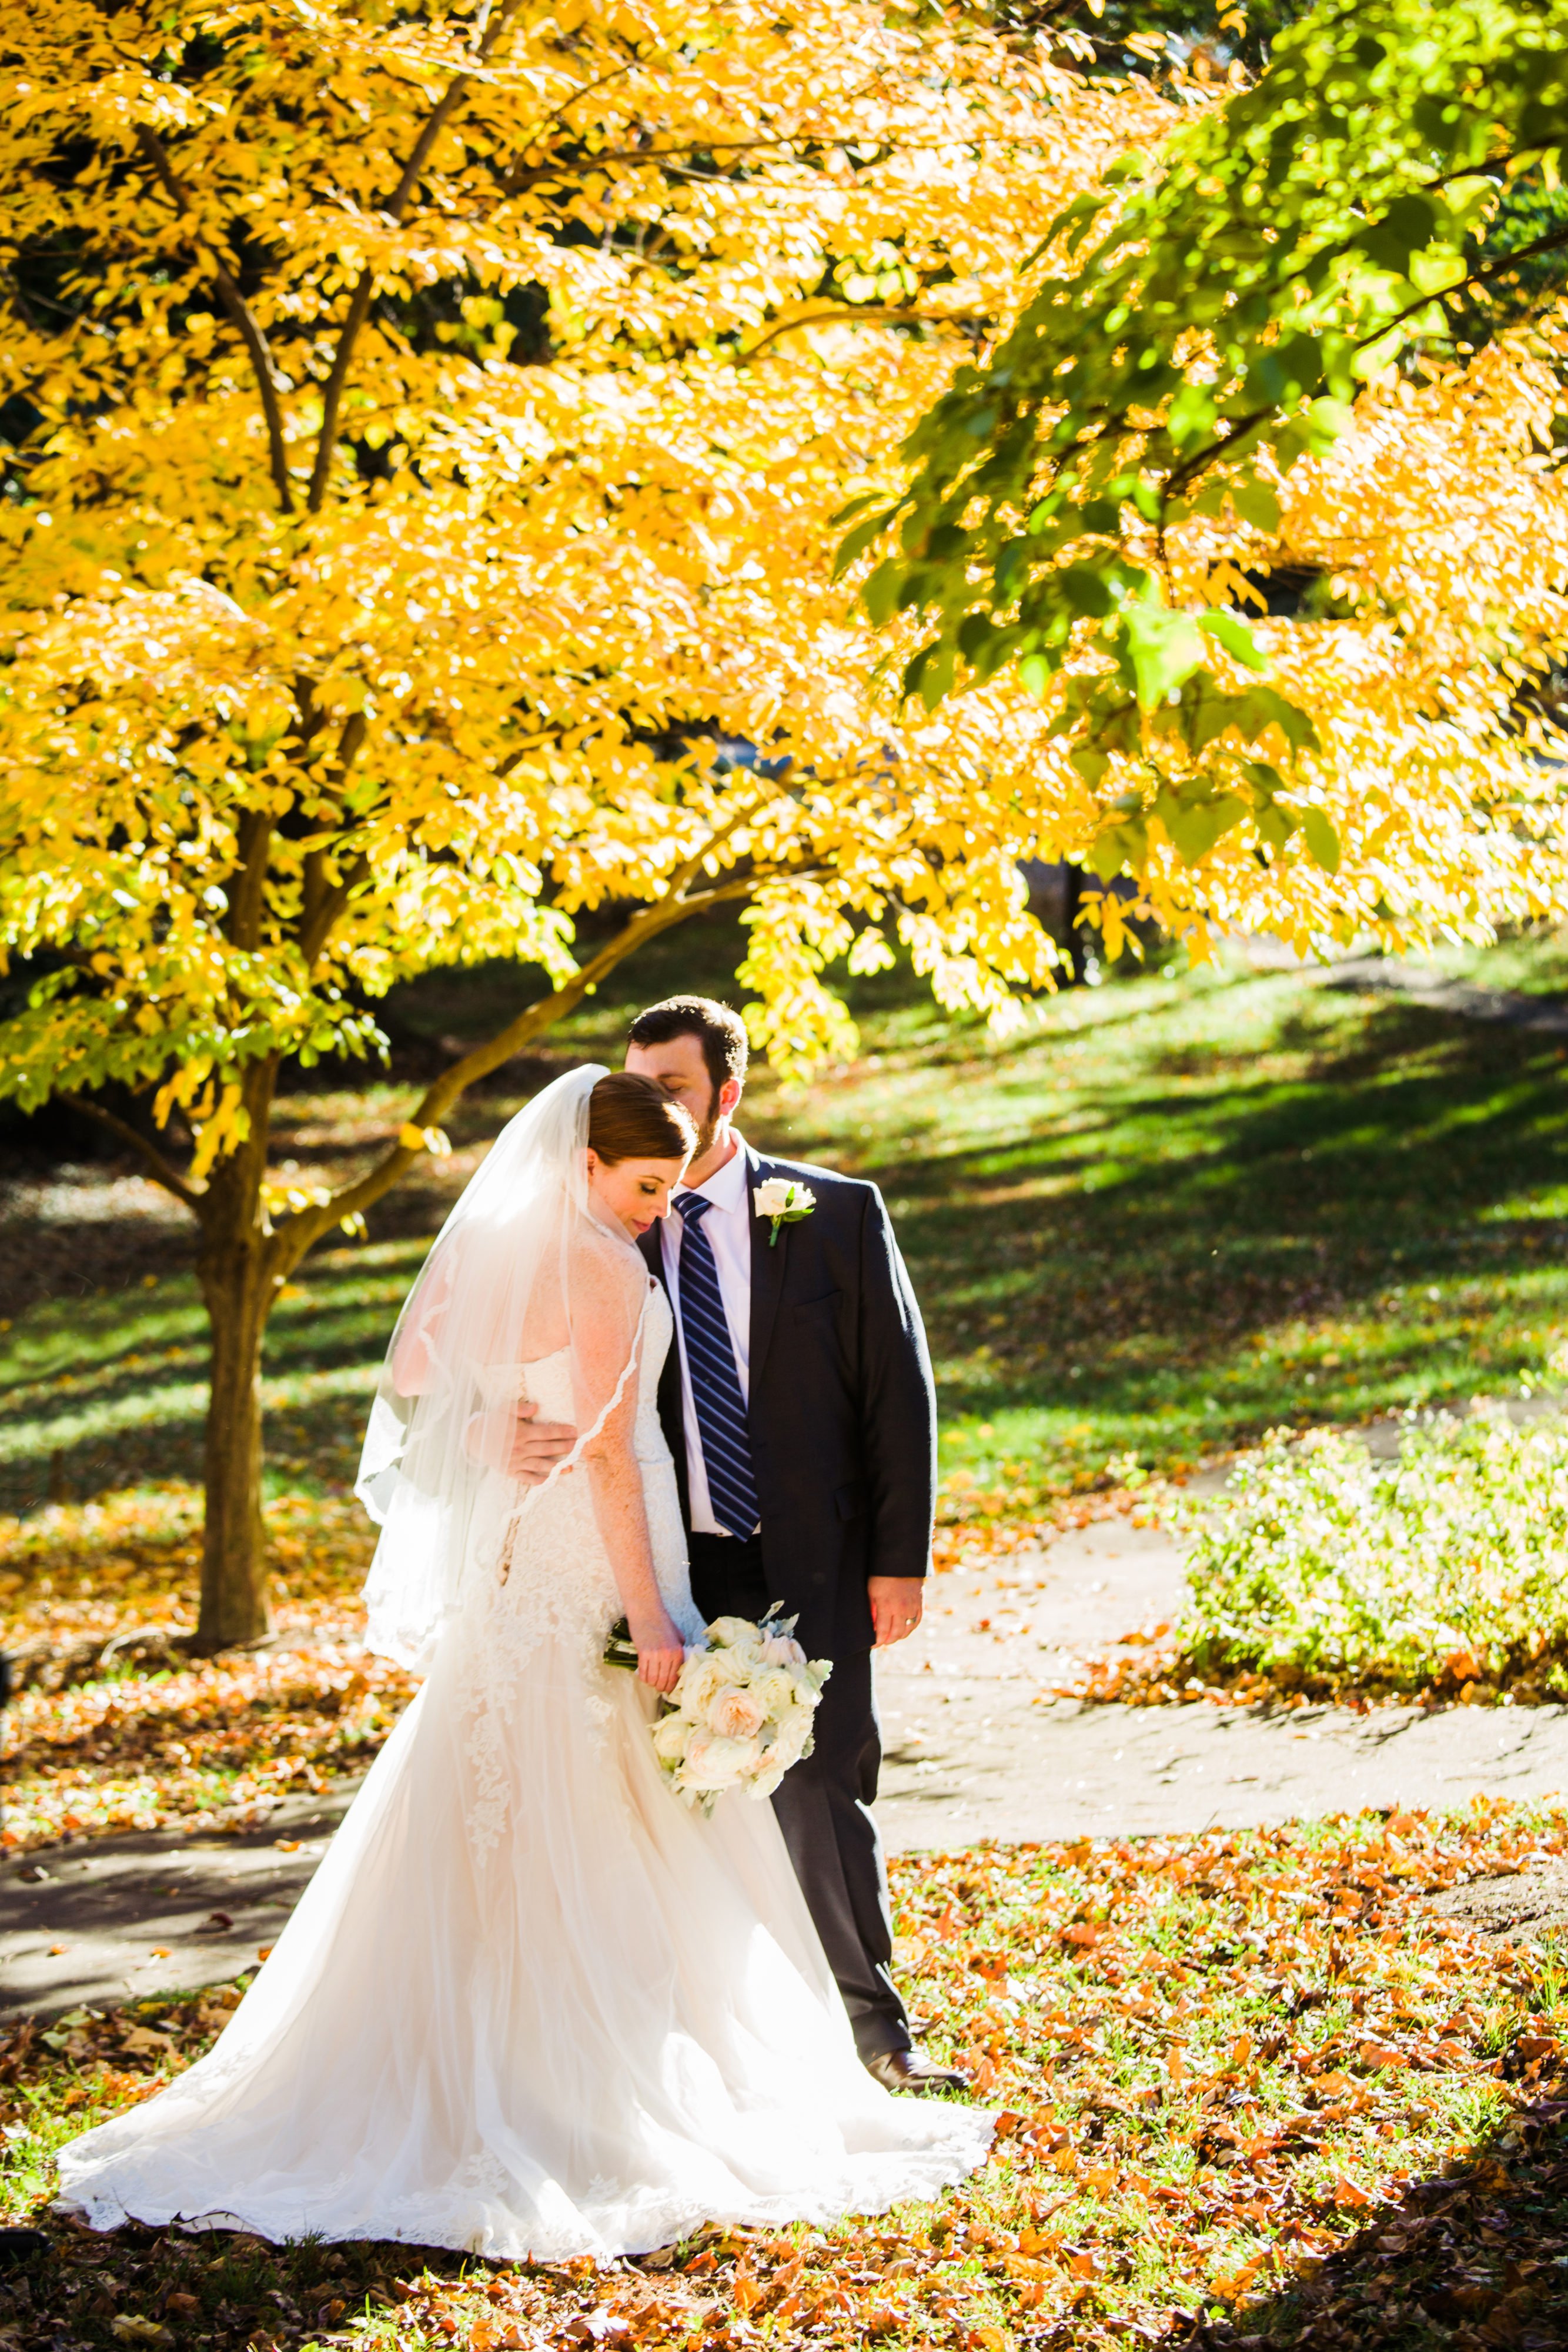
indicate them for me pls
(726, 1188)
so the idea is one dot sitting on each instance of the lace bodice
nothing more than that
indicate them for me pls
(547, 1382)
(540, 1557)
(541, 1572)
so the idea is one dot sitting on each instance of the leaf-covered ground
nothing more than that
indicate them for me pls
(118, 1728)
(1252, 2088)
(115, 1727)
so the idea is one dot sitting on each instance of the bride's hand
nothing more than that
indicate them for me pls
(660, 1654)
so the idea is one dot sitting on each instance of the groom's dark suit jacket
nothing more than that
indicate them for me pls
(842, 1412)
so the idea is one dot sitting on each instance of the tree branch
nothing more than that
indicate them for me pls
(1548, 244)
(856, 314)
(157, 1166)
(254, 835)
(514, 177)
(321, 901)
(315, 931)
(239, 310)
(359, 300)
(300, 1231)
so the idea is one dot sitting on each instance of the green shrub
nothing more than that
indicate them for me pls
(1319, 1564)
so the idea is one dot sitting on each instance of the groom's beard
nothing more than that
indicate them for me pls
(707, 1128)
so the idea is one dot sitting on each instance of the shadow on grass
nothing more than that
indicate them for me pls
(221, 2291)
(111, 1391)
(1198, 1221)
(1476, 2257)
(1118, 1251)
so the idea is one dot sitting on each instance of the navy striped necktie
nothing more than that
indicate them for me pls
(715, 1383)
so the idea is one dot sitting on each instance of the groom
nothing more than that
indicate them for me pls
(798, 1406)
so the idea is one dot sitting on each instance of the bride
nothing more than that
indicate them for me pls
(529, 2005)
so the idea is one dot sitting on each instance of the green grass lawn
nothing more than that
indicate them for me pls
(1168, 1214)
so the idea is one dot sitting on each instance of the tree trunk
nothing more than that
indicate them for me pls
(234, 1561)
(237, 1280)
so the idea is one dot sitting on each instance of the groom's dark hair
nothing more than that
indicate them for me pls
(719, 1029)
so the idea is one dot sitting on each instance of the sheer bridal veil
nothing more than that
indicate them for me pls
(523, 1270)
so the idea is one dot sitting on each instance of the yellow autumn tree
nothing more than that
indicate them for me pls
(424, 426)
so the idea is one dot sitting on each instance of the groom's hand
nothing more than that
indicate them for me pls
(896, 1603)
(539, 1445)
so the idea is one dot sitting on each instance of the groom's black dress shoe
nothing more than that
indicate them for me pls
(909, 2070)
(21, 2246)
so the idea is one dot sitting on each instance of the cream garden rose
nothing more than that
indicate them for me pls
(736, 1714)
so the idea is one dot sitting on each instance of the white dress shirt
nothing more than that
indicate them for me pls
(727, 1225)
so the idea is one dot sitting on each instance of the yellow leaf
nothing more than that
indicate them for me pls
(425, 1139)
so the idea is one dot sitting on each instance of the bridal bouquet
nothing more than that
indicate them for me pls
(740, 1714)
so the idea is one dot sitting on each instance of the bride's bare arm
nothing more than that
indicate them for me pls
(615, 1483)
(413, 1355)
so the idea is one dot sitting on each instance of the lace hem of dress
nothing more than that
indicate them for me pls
(471, 2215)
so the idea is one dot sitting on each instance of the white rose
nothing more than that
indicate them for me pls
(773, 1200)
(712, 1761)
(763, 1783)
(781, 1650)
(735, 1634)
(774, 1688)
(792, 1739)
(701, 1680)
(670, 1734)
(735, 1714)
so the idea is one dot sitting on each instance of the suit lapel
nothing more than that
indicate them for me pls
(767, 1270)
(672, 1415)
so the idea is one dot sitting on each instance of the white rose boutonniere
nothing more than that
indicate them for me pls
(783, 1201)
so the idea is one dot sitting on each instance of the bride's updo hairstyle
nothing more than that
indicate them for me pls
(629, 1118)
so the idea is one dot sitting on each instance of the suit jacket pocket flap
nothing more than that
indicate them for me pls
(821, 1305)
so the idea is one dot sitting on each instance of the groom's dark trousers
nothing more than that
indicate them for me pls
(823, 1805)
(842, 1421)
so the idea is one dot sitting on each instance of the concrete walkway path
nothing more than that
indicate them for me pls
(975, 1747)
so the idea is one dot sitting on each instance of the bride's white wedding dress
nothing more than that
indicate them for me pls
(529, 2004)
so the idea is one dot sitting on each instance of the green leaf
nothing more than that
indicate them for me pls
(861, 537)
(1109, 854)
(880, 594)
(852, 507)
(1404, 229)
(1260, 707)
(1274, 824)
(1195, 826)
(1321, 840)
(1163, 647)
(1192, 414)
(1235, 637)
(1084, 589)
(1255, 504)
(930, 673)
